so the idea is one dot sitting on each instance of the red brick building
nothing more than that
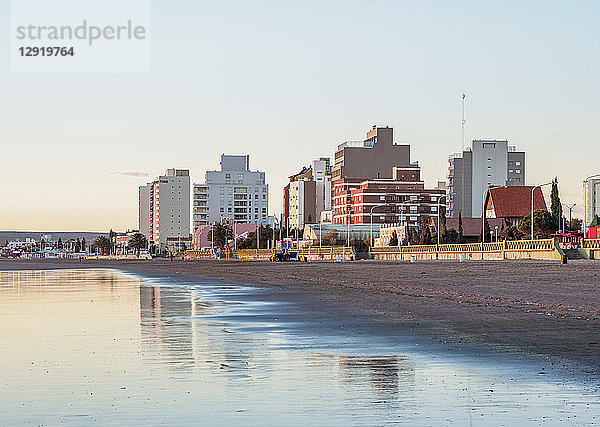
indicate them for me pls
(401, 199)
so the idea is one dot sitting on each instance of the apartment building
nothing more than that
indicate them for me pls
(356, 161)
(402, 199)
(164, 208)
(591, 200)
(234, 192)
(308, 194)
(372, 158)
(486, 163)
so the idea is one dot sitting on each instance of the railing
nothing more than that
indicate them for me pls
(530, 245)
(516, 245)
(310, 252)
(201, 254)
(590, 244)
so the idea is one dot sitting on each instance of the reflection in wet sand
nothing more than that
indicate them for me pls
(98, 346)
(387, 375)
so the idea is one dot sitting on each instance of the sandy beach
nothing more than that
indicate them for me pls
(543, 308)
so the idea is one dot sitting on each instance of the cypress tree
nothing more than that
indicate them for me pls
(555, 204)
(460, 228)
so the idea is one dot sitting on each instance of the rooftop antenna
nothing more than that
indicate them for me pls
(463, 122)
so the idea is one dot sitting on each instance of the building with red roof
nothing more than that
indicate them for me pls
(513, 203)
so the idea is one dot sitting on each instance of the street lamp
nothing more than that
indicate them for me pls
(438, 218)
(532, 190)
(570, 208)
(371, 229)
(486, 191)
(403, 217)
(496, 228)
(585, 203)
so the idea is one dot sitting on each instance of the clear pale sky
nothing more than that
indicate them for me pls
(286, 82)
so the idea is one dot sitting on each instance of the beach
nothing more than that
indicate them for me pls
(539, 308)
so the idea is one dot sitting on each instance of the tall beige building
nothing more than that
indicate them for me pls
(164, 208)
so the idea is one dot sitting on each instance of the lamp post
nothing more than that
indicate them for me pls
(438, 218)
(404, 216)
(320, 231)
(486, 191)
(348, 236)
(585, 203)
(532, 206)
(570, 208)
(496, 228)
(371, 228)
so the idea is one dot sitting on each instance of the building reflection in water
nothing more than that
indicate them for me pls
(388, 376)
(178, 327)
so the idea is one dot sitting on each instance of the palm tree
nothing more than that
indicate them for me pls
(103, 244)
(137, 242)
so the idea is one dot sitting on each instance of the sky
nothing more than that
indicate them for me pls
(286, 82)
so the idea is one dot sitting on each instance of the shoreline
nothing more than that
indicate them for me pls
(538, 308)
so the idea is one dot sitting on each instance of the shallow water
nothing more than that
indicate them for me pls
(99, 346)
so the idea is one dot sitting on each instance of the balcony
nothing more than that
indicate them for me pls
(355, 144)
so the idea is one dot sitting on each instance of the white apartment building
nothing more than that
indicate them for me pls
(322, 176)
(486, 163)
(308, 194)
(234, 192)
(591, 199)
(164, 208)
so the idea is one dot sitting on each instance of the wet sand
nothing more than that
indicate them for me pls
(542, 308)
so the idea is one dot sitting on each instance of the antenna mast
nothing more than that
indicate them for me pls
(463, 122)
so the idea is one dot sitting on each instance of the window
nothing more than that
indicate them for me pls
(413, 197)
(519, 171)
(489, 167)
(511, 171)
(381, 197)
(519, 164)
(227, 176)
(413, 208)
(413, 218)
(434, 209)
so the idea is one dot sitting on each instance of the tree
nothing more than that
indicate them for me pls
(330, 239)
(487, 230)
(103, 244)
(426, 237)
(443, 231)
(545, 223)
(137, 242)
(511, 233)
(394, 239)
(83, 244)
(78, 245)
(451, 235)
(220, 235)
(555, 205)
(59, 244)
(575, 224)
(461, 237)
